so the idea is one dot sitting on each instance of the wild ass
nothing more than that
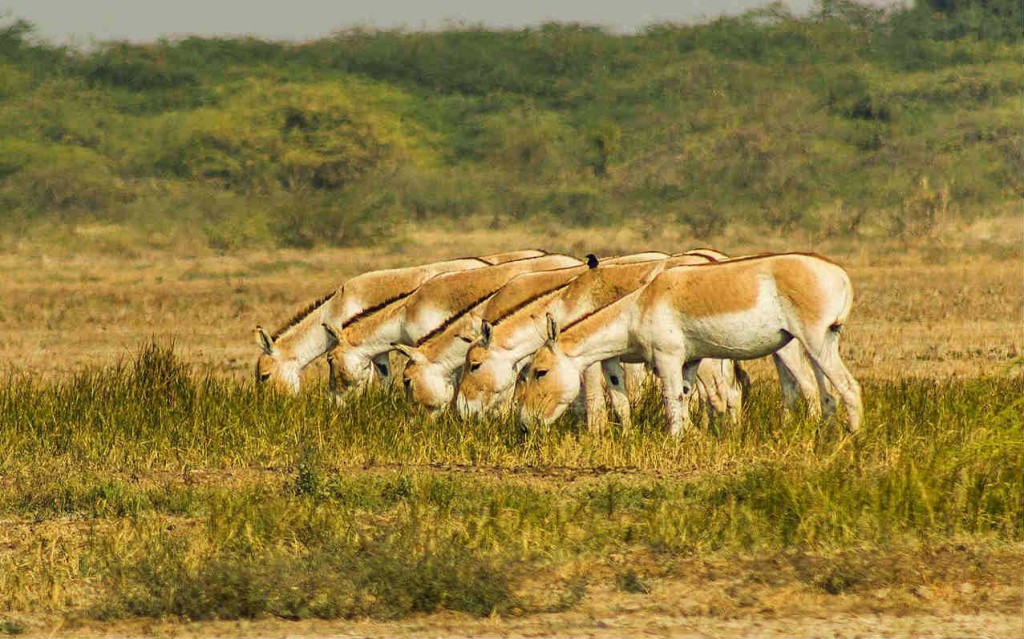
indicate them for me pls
(301, 340)
(506, 345)
(359, 348)
(738, 309)
(438, 356)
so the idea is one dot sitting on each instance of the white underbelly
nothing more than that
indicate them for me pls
(746, 334)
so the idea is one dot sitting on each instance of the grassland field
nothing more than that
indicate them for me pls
(159, 200)
(145, 488)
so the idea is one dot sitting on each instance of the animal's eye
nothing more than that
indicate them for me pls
(264, 377)
(475, 366)
(539, 374)
(466, 339)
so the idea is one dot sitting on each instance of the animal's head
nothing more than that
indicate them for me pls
(348, 368)
(427, 382)
(552, 382)
(488, 376)
(273, 368)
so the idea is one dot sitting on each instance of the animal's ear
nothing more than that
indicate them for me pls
(264, 341)
(410, 352)
(553, 329)
(591, 260)
(486, 332)
(333, 334)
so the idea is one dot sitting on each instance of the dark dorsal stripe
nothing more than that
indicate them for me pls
(301, 315)
(703, 253)
(373, 309)
(542, 252)
(478, 259)
(517, 260)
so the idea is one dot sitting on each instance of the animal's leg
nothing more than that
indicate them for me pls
(674, 397)
(615, 377)
(593, 383)
(737, 385)
(796, 379)
(636, 377)
(827, 364)
(677, 387)
(689, 383)
(709, 380)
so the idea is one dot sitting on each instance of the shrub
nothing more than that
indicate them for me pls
(52, 179)
(296, 136)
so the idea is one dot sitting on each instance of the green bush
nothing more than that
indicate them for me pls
(55, 181)
(767, 116)
(294, 136)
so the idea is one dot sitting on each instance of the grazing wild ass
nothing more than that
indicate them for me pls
(738, 309)
(289, 349)
(492, 364)
(435, 360)
(359, 348)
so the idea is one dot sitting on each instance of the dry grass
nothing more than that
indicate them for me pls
(946, 307)
(950, 305)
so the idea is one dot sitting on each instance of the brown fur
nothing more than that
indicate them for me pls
(301, 315)
(518, 292)
(377, 287)
(457, 291)
(732, 286)
(441, 328)
(605, 285)
(373, 309)
(525, 288)
(364, 324)
(800, 286)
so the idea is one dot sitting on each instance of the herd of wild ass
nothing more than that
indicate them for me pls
(550, 331)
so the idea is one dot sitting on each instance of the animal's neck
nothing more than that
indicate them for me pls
(307, 340)
(438, 347)
(383, 324)
(454, 356)
(520, 339)
(603, 335)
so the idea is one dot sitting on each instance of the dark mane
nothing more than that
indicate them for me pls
(598, 310)
(301, 315)
(525, 303)
(373, 309)
(451, 319)
(588, 315)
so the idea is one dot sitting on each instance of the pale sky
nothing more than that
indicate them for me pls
(84, 21)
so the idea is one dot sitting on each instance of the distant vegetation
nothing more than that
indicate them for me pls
(848, 118)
